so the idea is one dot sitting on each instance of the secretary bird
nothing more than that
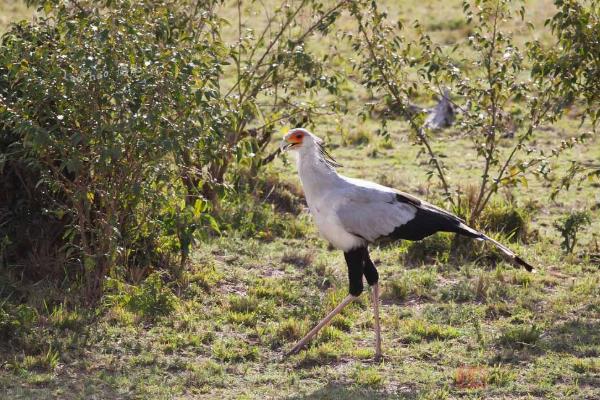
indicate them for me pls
(351, 213)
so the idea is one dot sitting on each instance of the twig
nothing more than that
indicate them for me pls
(418, 130)
(490, 140)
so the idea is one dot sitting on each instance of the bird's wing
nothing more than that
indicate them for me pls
(372, 211)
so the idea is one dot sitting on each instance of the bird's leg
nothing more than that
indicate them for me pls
(375, 300)
(373, 279)
(355, 261)
(324, 322)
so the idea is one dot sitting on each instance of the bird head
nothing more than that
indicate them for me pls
(299, 139)
(305, 143)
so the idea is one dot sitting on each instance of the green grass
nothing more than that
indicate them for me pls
(450, 329)
(229, 342)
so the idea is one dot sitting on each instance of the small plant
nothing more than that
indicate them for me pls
(321, 354)
(291, 329)
(63, 318)
(417, 283)
(569, 226)
(149, 300)
(276, 289)
(397, 289)
(17, 321)
(368, 376)
(586, 366)
(153, 297)
(205, 276)
(418, 330)
(500, 376)
(234, 350)
(521, 336)
(511, 221)
(243, 304)
(205, 374)
(458, 292)
(47, 361)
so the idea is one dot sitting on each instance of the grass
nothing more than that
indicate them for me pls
(228, 342)
(478, 329)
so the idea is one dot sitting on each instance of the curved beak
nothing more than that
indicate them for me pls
(290, 140)
(284, 145)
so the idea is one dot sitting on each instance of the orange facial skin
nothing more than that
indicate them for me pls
(295, 137)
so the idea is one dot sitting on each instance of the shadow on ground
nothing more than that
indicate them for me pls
(576, 337)
(336, 391)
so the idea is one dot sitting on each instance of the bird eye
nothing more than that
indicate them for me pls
(299, 136)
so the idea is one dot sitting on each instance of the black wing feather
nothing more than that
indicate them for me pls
(430, 219)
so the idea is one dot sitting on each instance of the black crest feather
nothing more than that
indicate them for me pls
(329, 160)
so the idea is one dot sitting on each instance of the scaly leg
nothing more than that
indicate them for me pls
(324, 322)
(375, 300)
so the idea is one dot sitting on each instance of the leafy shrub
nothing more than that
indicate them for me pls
(15, 321)
(569, 226)
(87, 120)
(572, 63)
(249, 217)
(121, 129)
(495, 100)
(152, 297)
(434, 248)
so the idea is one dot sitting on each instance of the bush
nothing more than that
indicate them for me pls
(572, 63)
(434, 248)
(569, 226)
(16, 321)
(89, 130)
(489, 88)
(122, 125)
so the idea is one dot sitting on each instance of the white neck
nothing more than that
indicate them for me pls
(316, 175)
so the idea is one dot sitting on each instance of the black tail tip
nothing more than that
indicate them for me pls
(522, 263)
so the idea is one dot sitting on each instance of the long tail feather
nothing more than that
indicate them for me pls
(515, 259)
